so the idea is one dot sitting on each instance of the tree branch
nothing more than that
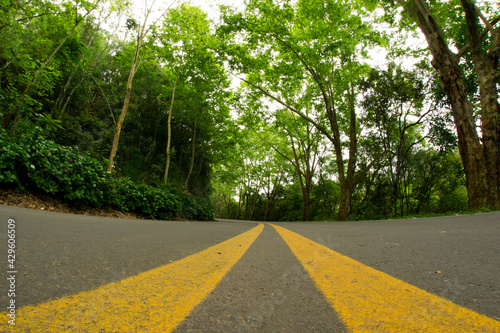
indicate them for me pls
(104, 95)
(481, 36)
(266, 93)
(488, 25)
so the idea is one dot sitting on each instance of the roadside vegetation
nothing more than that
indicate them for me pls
(35, 163)
(277, 111)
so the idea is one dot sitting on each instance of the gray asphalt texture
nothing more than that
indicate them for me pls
(457, 258)
(266, 291)
(63, 254)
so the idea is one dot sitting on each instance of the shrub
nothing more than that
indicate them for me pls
(9, 158)
(144, 199)
(453, 201)
(33, 162)
(194, 208)
(53, 169)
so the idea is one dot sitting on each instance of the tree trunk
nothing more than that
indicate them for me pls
(486, 67)
(169, 130)
(219, 207)
(126, 102)
(306, 203)
(253, 204)
(246, 197)
(239, 206)
(268, 208)
(128, 93)
(346, 178)
(480, 162)
(305, 181)
(228, 212)
(192, 156)
(345, 200)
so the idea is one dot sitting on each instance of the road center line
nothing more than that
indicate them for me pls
(153, 301)
(368, 300)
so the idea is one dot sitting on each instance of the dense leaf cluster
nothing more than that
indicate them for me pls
(33, 162)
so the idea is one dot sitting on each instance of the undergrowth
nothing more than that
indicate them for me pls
(33, 162)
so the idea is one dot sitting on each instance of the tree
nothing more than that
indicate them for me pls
(394, 112)
(274, 174)
(480, 50)
(305, 50)
(169, 127)
(298, 143)
(37, 16)
(142, 31)
(187, 42)
(98, 45)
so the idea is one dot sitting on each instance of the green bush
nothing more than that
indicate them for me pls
(35, 163)
(367, 211)
(151, 201)
(453, 201)
(9, 157)
(194, 208)
(63, 171)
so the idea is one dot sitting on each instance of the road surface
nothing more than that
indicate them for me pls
(76, 273)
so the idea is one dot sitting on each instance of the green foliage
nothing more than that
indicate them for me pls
(305, 57)
(30, 161)
(454, 201)
(158, 203)
(367, 211)
(196, 208)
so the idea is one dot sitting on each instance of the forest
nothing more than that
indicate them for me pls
(285, 110)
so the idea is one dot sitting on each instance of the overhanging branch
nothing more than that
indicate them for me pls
(301, 114)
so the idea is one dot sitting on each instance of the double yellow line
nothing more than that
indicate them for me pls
(158, 300)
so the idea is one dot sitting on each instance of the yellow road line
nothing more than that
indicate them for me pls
(153, 301)
(368, 300)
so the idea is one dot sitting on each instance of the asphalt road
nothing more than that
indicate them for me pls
(268, 289)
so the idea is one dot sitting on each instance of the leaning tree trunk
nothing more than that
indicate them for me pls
(480, 161)
(169, 131)
(126, 102)
(193, 149)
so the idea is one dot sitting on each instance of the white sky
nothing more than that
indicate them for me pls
(377, 55)
(211, 7)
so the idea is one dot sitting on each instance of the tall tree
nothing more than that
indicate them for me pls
(187, 40)
(298, 143)
(444, 25)
(142, 31)
(169, 127)
(393, 102)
